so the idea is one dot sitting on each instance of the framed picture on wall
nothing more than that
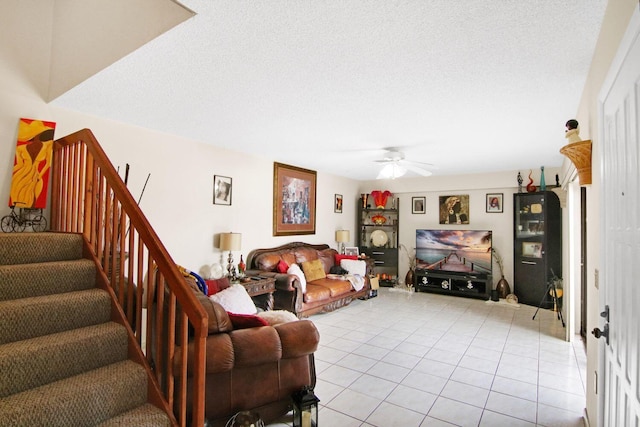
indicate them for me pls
(418, 205)
(294, 200)
(494, 203)
(454, 209)
(337, 203)
(222, 187)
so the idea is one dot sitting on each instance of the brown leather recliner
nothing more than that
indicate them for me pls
(255, 369)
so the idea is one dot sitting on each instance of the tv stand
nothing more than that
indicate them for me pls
(453, 283)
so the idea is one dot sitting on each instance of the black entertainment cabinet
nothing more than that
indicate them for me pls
(537, 246)
(453, 283)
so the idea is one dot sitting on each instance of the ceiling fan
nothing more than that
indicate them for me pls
(396, 165)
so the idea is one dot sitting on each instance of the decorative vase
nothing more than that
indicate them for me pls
(380, 198)
(409, 278)
(543, 184)
(530, 187)
(503, 287)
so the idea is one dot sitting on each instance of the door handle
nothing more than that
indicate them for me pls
(602, 333)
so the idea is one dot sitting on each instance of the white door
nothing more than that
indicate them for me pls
(620, 216)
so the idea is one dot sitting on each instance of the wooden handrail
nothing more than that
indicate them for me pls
(89, 197)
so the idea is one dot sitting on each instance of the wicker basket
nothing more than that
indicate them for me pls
(580, 155)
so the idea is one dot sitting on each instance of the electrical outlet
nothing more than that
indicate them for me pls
(597, 279)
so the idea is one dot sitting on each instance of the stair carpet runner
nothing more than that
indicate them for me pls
(63, 362)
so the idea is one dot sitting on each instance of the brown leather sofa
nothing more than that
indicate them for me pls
(254, 369)
(322, 295)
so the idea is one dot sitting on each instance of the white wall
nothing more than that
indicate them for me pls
(615, 22)
(178, 199)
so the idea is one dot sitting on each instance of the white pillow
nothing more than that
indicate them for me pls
(235, 299)
(276, 317)
(295, 269)
(354, 266)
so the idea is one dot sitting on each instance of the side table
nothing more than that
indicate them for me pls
(261, 289)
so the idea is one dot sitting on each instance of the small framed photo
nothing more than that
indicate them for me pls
(222, 190)
(418, 205)
(337, 203)
(351, 250)
(532, 249)
(494, 202)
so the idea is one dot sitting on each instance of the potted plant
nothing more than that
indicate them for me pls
(502, 286)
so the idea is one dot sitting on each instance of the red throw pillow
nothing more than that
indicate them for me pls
(244, 321)
(282, 267)
(340, 257)
(216, 285)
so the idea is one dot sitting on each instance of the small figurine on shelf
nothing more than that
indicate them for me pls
(519, 182)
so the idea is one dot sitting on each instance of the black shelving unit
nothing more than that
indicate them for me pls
(384, 256)
(537, 246)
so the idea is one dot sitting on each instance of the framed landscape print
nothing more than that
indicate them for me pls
(494, 202)
(294, 200)
(418, 205)
(454, 209)
(222, 186)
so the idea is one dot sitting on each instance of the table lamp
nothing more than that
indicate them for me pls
(230, 242)
(342, 236)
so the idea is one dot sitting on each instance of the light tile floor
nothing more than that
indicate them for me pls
(419, 359)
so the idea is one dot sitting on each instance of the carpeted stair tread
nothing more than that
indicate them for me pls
(143, 416)
(24, 248)
(43, 360)
(39, 316)
(45, 278)
(83, 400)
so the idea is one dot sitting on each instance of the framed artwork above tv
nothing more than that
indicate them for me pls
(454, 209)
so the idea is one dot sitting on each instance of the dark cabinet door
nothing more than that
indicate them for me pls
(537, 246)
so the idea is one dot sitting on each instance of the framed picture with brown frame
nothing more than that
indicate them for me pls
(337, 203)
(222, 188)
(294, 200)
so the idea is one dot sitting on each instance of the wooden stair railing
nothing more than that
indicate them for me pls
(89, 197)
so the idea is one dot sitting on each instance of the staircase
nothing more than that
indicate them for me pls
(63, 361)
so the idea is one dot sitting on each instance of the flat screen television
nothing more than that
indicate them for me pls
(454, 251)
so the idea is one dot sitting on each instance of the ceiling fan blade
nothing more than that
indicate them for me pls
(429, 165)
(416, 169)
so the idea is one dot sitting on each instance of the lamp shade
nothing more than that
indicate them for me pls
(342, 236)
(230, 241)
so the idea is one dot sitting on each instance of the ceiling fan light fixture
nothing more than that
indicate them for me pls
(391, 171)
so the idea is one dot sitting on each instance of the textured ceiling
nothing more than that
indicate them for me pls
(469, 86)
